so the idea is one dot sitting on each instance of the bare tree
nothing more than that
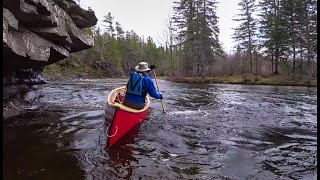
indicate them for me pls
(167, 39)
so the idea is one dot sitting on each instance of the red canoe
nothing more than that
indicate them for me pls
(119, 118)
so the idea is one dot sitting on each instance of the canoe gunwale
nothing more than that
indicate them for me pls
(119, 106)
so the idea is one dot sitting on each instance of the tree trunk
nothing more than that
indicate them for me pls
(256, 62)
(294, 62)
(250, 59)
(301, 60)
(308, 47)
(202, 72)
(102, 46)
(293, 43)
(186, 67)
(301, 64)
(198, 70)
(277, 50)
(272, 60)
(244, 67)
(171, 47)
(276, 65)
(171, 59)
(249, 45)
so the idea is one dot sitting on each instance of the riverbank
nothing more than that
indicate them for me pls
(69, 70)
(273, 80)
(74, 68)
(78, 70)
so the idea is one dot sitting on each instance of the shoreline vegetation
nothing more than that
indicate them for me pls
(187, 53)
(271, 80)
(276, 48)
(56, 72)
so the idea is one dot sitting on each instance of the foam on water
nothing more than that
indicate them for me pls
(87, 114)
(209, 132)
(186, 112)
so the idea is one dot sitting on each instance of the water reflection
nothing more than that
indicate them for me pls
(30, 153)
(121, 155)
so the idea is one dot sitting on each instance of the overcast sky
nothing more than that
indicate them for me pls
(148, 17)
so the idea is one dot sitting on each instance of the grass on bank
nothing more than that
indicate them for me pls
(69, 70)
(75, 68)
(280, 80)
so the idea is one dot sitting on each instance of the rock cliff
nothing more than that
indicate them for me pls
(37, 33)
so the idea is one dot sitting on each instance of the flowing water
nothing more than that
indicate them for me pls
(210, 131)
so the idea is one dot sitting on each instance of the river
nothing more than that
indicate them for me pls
(210, 131)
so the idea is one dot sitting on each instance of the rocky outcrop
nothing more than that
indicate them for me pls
(37, 33)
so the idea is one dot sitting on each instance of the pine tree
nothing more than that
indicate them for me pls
(108, 23)
(119, 31)
(273, 30)
(196, 25)
(309, 23)
(152, 53)
(208, 32)
(290, 13)
(184, 21)
(245, 34)
(99, 41)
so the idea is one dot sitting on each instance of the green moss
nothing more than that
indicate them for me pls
(70, 68)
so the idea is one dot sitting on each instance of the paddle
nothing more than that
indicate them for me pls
(162, 101)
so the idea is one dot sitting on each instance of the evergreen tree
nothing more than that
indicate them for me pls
(120, 34)
(196, 25)
(309, 25)
(184, 20)
(99, 41)
(132, 51)
(108, 23)
(119, 31)
(245, 34)
(152, 53)
(208, 33)
(289, 28)
(290, 13)
(273, 30)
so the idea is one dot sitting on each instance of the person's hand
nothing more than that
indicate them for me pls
(161, 97)
(152, 67)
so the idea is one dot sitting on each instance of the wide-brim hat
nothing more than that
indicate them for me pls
(142, 67)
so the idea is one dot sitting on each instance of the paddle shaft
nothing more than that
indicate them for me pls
(162, 101)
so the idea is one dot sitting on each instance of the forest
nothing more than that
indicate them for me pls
(275, 38)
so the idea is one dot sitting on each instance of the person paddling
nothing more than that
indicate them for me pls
(139, 85)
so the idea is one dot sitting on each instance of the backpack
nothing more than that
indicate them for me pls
(134, 85)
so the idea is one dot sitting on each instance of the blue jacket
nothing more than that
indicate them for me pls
(147, 86)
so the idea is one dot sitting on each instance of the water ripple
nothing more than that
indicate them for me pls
(210, 131)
